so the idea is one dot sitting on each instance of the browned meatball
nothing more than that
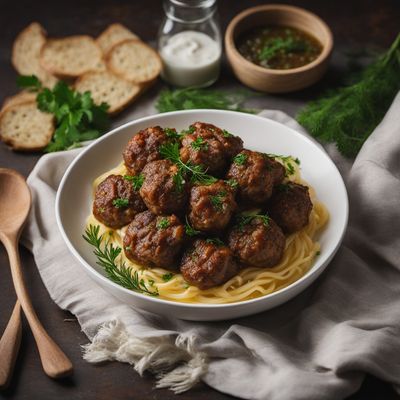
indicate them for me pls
(154, 241)
(277, 169)
(211, 207)
(257, 241)
(116, 202)
(208, 263)
(290, 207)
(232, 144)
(144, 148)
(251, 170)
(204, 148)
(160, 192)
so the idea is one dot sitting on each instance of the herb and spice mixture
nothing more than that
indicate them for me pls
(278, 47)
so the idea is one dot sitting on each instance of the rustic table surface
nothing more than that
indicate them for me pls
(358, 25)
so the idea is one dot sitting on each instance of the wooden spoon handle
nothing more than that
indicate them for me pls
(9, 346)
(55, 363)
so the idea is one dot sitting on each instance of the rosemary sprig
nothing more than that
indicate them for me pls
(117, 271)
(170, 151)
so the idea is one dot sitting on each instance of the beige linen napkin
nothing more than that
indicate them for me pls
(319, 345)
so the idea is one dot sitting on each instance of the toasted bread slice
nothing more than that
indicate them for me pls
(109, 88)
(114, 34)
(134, 61)
(21, 97)
(25, 128)
(26, 52)
(71, 56)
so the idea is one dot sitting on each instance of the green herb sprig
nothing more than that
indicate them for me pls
(281, 45)
(348, 115)
(117, 271)
(170, 151)
(189, 230)
(163, 223)
(217, 200)
(136, 180)
(194, 98)
(245, 218)
(77, 117)
(287, 162)
(120, 202)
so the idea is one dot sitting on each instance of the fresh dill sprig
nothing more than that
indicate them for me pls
(170, 151)
(194, 98)
(348, 115)
(116, 270)
(245, 218)
(137, 180)
(287, 162)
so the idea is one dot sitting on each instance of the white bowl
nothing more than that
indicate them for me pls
(258, 133)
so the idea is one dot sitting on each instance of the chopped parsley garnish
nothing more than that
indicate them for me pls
(244, 219)
(101, 209)
(170, 151)
(188, 131)
(167, 277)
(120, 202)
(215, 241)
(199, 144)
(226, 133)
(189, 230)
(232, 183)
(163, 223)
(217, 200)
(107, 255)
(172, 133)
(240, 159)
(137, 180)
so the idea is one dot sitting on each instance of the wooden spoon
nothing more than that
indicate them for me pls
(9, 346)
(15, 201)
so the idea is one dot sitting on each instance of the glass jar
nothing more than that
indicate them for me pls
(189, 43)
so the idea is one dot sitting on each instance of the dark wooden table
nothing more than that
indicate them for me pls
(357, 25)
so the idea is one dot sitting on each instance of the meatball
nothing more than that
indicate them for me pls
(160, 191)
(208, 263)
(154, 241)
(232, 144)
(252, 171)
(211, 207)
(290, 207)
(257, 241)
(144, 148)
(116, 202)
(277, 169)
(204, 148)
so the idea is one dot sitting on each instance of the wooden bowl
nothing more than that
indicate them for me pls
(278, 80)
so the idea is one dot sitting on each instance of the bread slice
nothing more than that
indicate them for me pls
(134, 61)
(21, 97)
(114, 34)
(26, 52)
(109, 88)
(25, 128)
(71, 56)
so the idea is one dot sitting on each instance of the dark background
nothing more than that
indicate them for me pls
(359, 27)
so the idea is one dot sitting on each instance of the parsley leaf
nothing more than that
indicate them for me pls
(120, 202)
(167, 277)
(77, 117)
(217, 200)
(189, 230)
(240, 159)
(199, 144)
(163, 223)
(137, 180)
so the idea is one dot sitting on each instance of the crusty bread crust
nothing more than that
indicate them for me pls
(112, 35)
(134, 61)
(25, 128)
(26, 52)
(21, 97)
(110, 88)
(71, 56)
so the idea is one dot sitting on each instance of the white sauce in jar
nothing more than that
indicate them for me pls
(191, 58)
